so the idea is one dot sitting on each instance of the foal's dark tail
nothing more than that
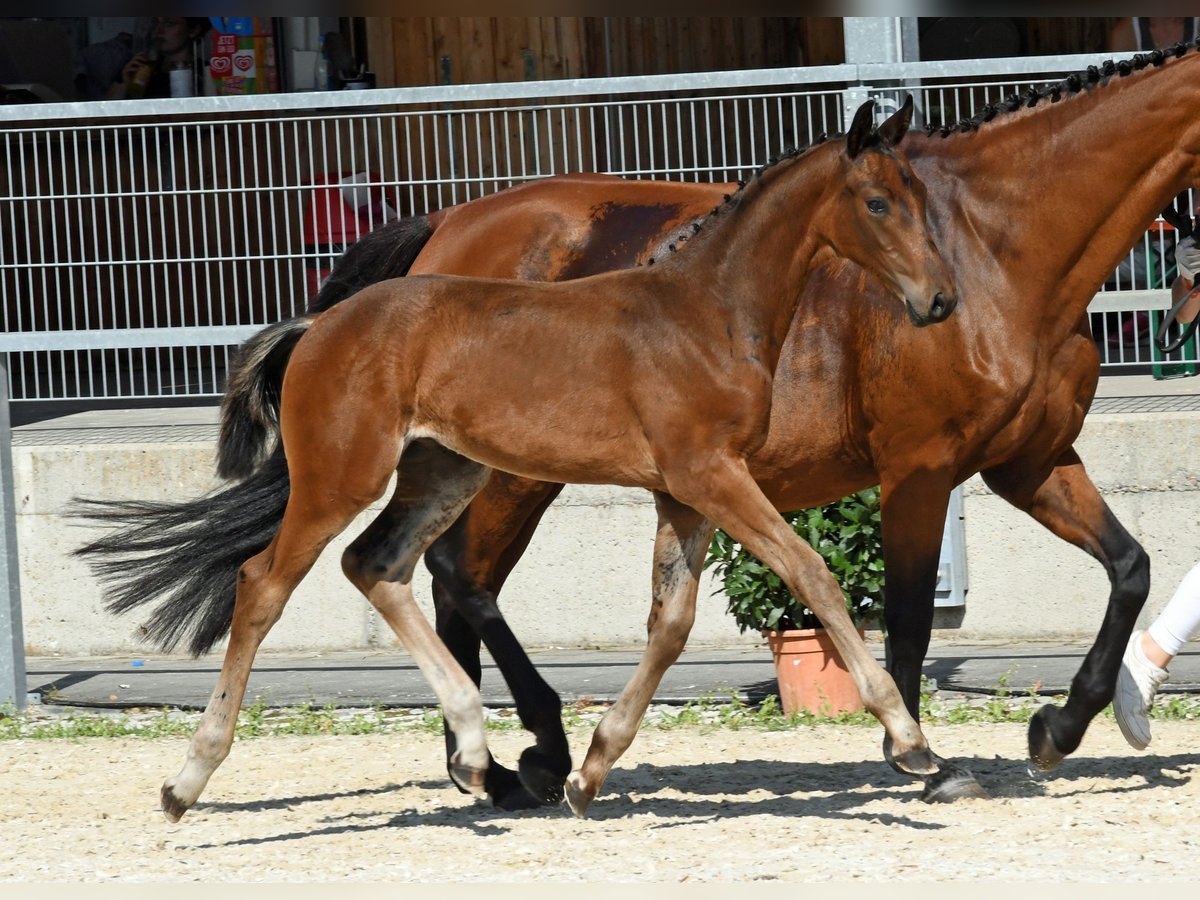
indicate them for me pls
(183, 558)
(250, 409)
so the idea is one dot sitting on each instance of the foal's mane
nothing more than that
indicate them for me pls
(1091, 77)
(733, 200)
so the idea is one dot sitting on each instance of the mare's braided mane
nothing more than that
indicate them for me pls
(1091, 77)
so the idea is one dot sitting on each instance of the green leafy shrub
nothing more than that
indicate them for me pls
(849, 538)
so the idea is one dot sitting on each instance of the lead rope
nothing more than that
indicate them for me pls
(1183, 225)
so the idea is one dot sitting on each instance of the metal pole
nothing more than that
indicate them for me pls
(877, 39)
(12, 638)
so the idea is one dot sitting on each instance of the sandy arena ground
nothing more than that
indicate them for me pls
(813, 804)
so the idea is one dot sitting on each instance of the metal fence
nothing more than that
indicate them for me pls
(143, 241)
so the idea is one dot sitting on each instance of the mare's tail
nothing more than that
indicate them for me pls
(387, 252)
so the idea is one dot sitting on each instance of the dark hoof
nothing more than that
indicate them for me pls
(952, 783)
(172, 807)
(1043, 752)
(540, 778)
(506, 790)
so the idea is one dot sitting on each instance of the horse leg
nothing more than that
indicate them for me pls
(265, 582)
(680, 544)
(913, 512)
(1067, 503)
(469, 564)
(433, 486)
(726, 494)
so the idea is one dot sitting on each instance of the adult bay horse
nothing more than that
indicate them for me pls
(657, 377)
(858, 401)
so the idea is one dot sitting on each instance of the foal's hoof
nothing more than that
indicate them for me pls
(539, 777)
(914, 762)
(172, 807)
(952, 783)
(577, 797)
(1043, 752)
(469, 779)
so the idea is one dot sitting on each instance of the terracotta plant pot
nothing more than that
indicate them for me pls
(811, 673)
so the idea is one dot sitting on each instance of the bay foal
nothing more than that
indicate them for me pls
(658, 377)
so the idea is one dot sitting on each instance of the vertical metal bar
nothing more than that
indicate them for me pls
(12, 635)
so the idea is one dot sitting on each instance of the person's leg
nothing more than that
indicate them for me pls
(1144, 667)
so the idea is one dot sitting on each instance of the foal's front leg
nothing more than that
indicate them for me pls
(725, 492)
(680, 545)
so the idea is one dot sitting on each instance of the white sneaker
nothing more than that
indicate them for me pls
(1137, 683)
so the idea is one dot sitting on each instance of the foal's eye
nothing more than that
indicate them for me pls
(877, 207)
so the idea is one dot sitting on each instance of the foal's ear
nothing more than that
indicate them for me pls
(860, 129)
(896, 126)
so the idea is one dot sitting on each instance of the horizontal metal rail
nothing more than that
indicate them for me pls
(145, 239)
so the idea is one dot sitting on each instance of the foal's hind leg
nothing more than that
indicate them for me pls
(469, 564)
(679, 547)
(265, 582)
(1067, 503)
(433, 486)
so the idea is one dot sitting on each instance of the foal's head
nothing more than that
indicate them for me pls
(879, 219)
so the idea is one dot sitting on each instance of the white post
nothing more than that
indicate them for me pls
(12, 638)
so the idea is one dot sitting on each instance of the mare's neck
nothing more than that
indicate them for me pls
(1051, 198)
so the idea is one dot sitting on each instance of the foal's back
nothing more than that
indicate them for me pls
(570, 381)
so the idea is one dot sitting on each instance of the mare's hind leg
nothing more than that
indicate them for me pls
(469, 564)
(265, 582)
(1067, 502)
(679, 547)
(434, 484)
(723, 490)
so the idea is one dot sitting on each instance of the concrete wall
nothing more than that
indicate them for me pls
(585, 580)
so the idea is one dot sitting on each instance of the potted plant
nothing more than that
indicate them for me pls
(809, 669)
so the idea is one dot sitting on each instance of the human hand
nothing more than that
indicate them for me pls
(133, 66)
(1187, 258)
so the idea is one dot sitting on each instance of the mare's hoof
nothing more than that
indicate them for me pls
(952, 783)
(577, 798)
(1042, 750)
(539, 777)
(506, 790)
(172, 807)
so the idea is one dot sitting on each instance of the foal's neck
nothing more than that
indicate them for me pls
(753, 255)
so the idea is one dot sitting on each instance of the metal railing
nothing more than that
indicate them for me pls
(143, 240)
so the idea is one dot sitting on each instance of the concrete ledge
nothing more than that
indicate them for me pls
(584, 581)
